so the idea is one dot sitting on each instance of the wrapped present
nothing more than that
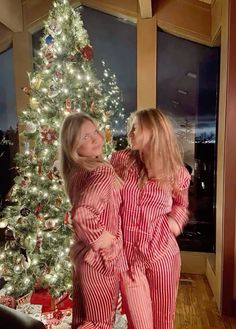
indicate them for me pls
(8, 301)
(42, 297)
(24, 299)
(63, 302)
(58, 319)
(35, 311)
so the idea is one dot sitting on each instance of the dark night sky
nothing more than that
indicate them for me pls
(7, 92)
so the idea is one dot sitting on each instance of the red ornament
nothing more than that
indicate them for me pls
(66, 217)
(40, 164)
(50, 175)
(25, 181)
(48, 136)
(87, 52)
(38, 209)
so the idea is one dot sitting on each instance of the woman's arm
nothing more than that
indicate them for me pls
(179, 213)
(87, 216)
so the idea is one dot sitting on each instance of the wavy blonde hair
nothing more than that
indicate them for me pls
(68, 156)
(163, 156)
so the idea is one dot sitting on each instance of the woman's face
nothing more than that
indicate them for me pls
(138, 138)
(90, 141)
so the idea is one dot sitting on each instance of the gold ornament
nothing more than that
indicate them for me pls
(35, 83)
(107, 135)
(34, 103)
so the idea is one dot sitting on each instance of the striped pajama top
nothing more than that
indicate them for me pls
(145, 211)
(95, 207)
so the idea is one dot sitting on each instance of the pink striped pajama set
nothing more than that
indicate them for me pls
(96, 202)
(149, 288)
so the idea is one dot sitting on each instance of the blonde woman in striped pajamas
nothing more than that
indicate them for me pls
(154, 211)
(97, 253)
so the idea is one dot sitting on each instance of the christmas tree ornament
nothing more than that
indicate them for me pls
(87, 52)
(9, 235)
(27, 90)
(50, 224)
(18, 269)
(48, 39)
(38, 208)
(49, 58)
(30, 127)
(84, 106)
(92, 107)
(35, 82)
(40, 216)
(56, 169)
(48, 136)
(25, 181)
(108, 135)
(54, 28)
(34, 103)
(67, 218)
(58, 201)
(53, 91)
(40, 166)
(57, 76)
(68, 105)
(71, 58)
(25, 211)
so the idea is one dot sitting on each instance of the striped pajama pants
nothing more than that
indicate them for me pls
(95, 298)
(149, 294)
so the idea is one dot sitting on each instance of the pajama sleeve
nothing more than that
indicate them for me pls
(91, 203)
(119, 162)
(179, 210)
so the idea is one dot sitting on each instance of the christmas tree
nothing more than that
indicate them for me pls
(37, 223)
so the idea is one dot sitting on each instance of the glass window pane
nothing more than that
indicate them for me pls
(187, 90)
(8, 122)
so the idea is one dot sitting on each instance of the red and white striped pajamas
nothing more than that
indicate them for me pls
(95, 208)
(149, 288)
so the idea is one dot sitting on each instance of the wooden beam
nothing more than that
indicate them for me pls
(209, 2)
(145, 7)
(11, 15)
(146, 62)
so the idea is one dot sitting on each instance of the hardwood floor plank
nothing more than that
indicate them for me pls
(196, 307)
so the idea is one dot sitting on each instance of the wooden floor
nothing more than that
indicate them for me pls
(196, 308)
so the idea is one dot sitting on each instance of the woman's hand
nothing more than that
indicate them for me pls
(174, 227)
(104, 242)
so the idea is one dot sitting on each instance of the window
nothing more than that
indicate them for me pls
(8, 123)
(187, 90)
(114, 42)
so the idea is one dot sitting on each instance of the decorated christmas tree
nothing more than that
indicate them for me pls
(37, 223)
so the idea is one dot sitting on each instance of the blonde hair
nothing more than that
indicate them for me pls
(163, 156)
(69, 158)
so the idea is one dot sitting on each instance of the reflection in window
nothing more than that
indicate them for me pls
(114, 42)
(187, 90)
(8, 123)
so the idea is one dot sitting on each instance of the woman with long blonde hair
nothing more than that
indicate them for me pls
(97, 253)
(154, 211)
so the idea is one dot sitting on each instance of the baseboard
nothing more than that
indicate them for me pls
(193, 262)
(210, 273)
